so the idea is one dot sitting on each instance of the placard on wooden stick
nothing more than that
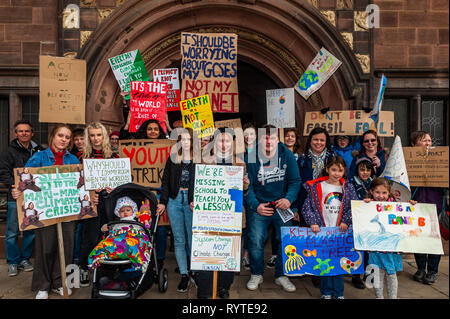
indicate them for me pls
(52, 195)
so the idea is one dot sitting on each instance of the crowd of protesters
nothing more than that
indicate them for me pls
(279, 174)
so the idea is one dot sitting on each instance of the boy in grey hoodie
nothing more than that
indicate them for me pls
(274, 183)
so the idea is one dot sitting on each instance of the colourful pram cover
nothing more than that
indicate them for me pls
(123, 242)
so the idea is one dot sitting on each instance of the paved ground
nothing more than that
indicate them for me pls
(19, 287)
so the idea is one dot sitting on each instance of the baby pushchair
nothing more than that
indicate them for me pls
(117, 279)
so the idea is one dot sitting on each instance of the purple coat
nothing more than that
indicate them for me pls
(312, 207)
(429, 195)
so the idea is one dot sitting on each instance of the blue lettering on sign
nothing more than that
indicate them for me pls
(211, 267)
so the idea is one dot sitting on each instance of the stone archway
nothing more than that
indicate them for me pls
(278, 37)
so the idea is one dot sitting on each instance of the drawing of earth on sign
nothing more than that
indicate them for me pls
(308, 79)
(379, 241)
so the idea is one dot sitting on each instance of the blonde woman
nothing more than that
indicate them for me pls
(97, 146)
(97, 143)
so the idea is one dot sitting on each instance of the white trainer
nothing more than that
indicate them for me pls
(254, 282)
(42, 294)
(285, 283)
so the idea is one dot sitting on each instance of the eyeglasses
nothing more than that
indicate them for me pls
(371, 141)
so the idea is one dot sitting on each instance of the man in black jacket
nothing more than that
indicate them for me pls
(17, 155)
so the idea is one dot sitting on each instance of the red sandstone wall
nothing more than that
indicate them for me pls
(24, 24)
(412, 34)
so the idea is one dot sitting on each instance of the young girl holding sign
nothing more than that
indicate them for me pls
(328, 204)
(388, 263)
(223, 155)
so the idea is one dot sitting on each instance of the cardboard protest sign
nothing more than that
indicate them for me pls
(327, 253)
(52, 195)
(196, 114)
(147, 159)
(128, 67)
(397, 227)
(218, 199)
(427, 168)
(102, 173)
(232, 123)
(281, 107)
(62, 90)
(215, 252)
(318, 72)
(353, 122)
(148, 101)
(395, 171)
(209, 66)
(169, 76)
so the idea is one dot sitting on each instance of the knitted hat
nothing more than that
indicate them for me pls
(125, 201)
(116, 133)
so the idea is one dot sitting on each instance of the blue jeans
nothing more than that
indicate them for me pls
(332, 285)
(14, 255)
(180, 216)
(257, 235)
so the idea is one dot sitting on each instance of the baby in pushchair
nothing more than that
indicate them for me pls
(124, 240)
(124, 262)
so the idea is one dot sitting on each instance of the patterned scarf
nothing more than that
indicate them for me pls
(318, 162)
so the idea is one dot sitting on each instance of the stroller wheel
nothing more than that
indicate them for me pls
(163, 280)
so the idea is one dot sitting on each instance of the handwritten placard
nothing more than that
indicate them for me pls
(218, 196)
(62, 90)
(209, 66)
(196, 114)
(327, 253)
(232, 123)
(216, 252)
(52, 195)
(169, 76)
(427, 168)
(318, 72)
(102, 173)
(148, 101)
(281, 107)
(147, 159)
(353, 122)
(128, 67)
(397, 227)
